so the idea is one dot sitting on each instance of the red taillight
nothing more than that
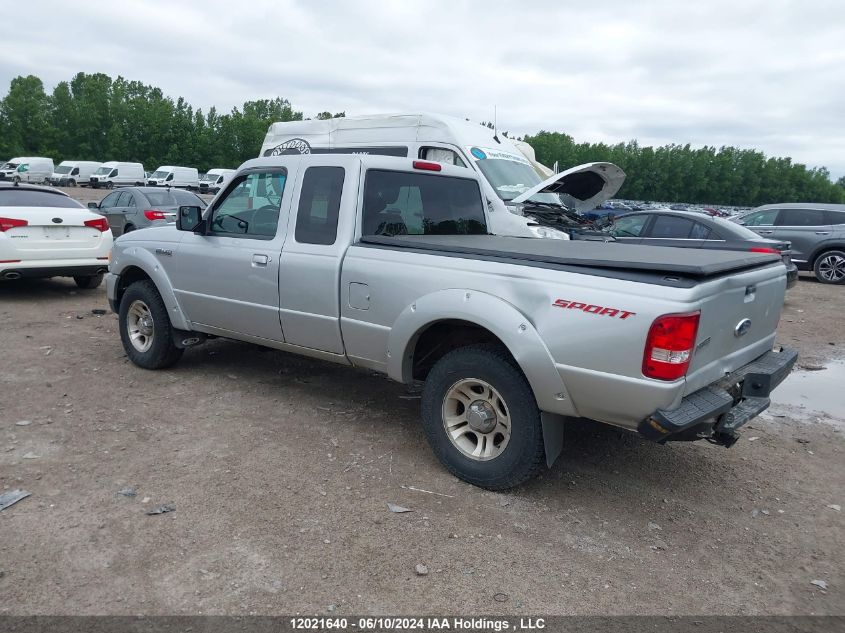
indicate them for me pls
(764, 249)
(151, 214)
(11, 223)
(101, 224)
(669, 346)
(427, 165)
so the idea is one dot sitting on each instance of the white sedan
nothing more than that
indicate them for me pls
(46, 233)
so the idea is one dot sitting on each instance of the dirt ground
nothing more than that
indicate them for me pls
(280, 470)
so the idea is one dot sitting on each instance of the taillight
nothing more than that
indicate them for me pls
(764, 249)
(151, 214)
(11, 223)
(427, 165)
(669, 346)
(101, 224)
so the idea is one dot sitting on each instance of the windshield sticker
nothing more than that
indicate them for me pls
(478, 153)
(496, 154)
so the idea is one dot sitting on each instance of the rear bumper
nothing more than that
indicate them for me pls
(791, 275)
(10, 272)
(717, 411)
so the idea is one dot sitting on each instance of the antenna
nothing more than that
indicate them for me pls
(495, 126)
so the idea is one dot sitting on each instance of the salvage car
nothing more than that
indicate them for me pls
(387, 263)
(46, 233)
(138, 207)
(689, 229)
(816, 231)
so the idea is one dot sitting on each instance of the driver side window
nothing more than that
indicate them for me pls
(251, 206)
(630, 226)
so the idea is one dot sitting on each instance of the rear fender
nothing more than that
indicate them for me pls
(495, 315)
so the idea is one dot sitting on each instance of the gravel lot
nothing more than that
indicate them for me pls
(280, 470)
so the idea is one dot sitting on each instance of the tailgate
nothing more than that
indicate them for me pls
(739, 316)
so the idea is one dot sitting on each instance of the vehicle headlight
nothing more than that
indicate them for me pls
(548, 233)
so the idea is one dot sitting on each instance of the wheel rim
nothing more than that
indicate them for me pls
(476, 419)
(140, 325)
(832, 268)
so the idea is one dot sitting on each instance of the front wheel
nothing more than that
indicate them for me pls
(71, 183)
(110, 185)
(830, 267)
(89, 282)
(145, 328)
(481, 419)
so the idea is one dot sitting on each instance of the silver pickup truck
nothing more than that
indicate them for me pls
(386, 263)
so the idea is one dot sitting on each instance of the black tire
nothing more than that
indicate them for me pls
(89, 282)
(128, 228)
(162, 352)
(71, 183)
(109, 185)
(523, 456)
(829, 267)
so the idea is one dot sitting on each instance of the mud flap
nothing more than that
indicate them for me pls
(552, 435)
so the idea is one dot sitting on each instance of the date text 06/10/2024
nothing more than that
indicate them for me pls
(387, 623)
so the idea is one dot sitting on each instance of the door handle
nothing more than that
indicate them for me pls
(260, 260)
(765, 232)
(822, 232)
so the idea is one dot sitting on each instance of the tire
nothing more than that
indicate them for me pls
(128, 228)
(829, 267)
(71, 183)
(89, 282)
(16, 179)
(512, 458)
(109, 185)
(145, 328)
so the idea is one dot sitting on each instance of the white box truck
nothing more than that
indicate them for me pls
(215, 179)
(173, 176)
(71, 173)
(112, 173)
(27, 169)
(520, 200)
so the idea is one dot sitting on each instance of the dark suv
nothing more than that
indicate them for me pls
(816, 231)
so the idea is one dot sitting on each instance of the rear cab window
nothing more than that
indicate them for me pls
(319, 205)
(409, 203)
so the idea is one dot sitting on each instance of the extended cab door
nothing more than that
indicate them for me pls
(321, 226)
(227, 279)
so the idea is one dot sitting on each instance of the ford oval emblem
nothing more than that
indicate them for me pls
(57, 220)
(742, 328)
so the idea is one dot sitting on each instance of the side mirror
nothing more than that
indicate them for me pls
(93, 205)
(189, 219)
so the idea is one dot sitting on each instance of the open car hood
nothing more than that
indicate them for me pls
(582, 188)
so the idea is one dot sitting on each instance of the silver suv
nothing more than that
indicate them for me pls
(816, 231)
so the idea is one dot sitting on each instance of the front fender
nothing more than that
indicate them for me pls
(495, 315)
(139, 257)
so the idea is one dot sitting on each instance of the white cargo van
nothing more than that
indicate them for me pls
(113, 173)
(70, 173)
(28, 169)
(170, 176)
(520, 200)
(215, 179)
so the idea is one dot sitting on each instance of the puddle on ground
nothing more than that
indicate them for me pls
(822, 391)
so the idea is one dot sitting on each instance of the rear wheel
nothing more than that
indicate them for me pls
(128, 229)
(481, 419)
(89, 282)
(830, 267)
(145, 328)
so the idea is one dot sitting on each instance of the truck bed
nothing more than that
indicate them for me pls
(682, 262)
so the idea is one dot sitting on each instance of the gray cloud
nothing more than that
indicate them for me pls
(761, 74)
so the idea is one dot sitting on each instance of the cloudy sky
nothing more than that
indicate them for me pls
(765, 74)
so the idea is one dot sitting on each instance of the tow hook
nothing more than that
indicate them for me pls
(724, 438)
(184, 339)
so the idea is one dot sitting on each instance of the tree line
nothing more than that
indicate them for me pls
(95, 117)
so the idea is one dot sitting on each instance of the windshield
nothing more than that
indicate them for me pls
(103, 171)
(509, 175)
(10, 166)
(160, 174)
(64, 169)
(174, 198)
(208, 177)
